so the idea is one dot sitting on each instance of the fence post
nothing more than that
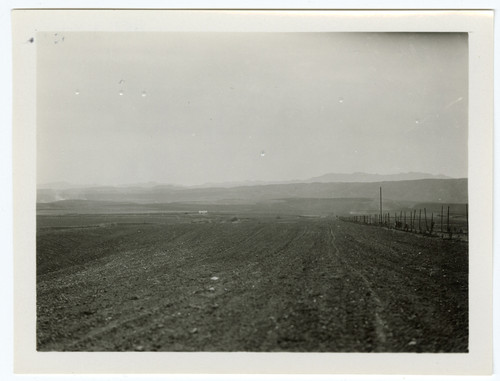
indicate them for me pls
(419, 218)
(425, 217)
(448, 223)
(380, 205)
(442, 234)
(467, 217)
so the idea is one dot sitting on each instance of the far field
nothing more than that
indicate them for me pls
(220, 282)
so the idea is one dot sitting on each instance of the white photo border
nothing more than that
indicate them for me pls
(479, 25)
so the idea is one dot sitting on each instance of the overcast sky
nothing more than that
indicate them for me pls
(191, 108)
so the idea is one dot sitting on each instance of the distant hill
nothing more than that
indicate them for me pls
(360, 177)
(356, 177)
(426, 190)
(66, 185)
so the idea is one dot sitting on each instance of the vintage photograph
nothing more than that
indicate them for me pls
(252, 192)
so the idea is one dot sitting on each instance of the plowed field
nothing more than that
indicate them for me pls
(256, 284)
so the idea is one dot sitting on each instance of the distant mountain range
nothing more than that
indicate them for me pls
(422, 190)
(360, 177)
(356, 177)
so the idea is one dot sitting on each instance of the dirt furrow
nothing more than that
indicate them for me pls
(381, 326)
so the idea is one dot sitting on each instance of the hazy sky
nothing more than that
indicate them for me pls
(191, 108)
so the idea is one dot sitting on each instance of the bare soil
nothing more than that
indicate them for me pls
(247, 284)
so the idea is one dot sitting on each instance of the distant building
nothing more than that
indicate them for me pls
(203, 212)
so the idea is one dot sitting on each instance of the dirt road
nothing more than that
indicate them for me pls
(255, 285)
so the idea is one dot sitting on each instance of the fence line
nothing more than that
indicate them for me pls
(422, 225)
